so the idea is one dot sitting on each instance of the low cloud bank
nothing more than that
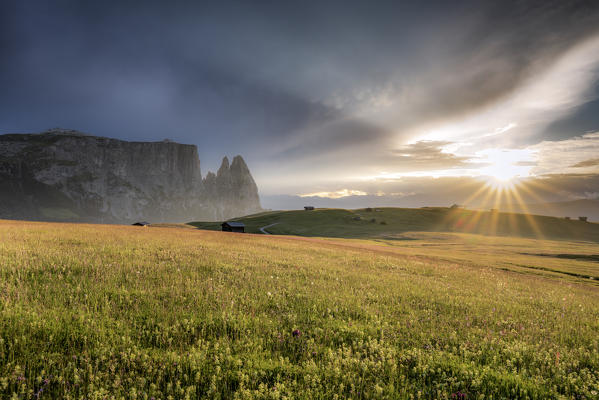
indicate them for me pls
(427, 191)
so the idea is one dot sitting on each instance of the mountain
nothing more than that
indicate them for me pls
(65, 175)
(573, 209)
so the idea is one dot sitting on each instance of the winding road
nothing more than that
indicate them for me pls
(263, 229)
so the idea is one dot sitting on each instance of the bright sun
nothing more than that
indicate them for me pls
(501, 173)
(502, 182)
(504, 165)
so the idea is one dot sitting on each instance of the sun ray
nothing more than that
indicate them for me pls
(461, 218)
(478, 216)
(495, 211)
(529, 218)
(487, 199)
(469, 221)
(513, 221)
(479, 192)
(527, 186)
(498, 207)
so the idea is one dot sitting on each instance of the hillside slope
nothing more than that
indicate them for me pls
(391, 222)
(99, 311)
(573, 209)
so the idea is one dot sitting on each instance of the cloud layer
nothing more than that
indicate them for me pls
(314, 94)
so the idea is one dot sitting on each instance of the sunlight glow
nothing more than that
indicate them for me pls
(499, 165)
(501, 182)
(491, 197)
(504, 165)
(336, 195)
(551, 95)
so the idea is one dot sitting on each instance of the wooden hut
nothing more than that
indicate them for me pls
(141, 223)
(233, 226)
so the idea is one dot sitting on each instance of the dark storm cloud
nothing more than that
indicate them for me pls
(273, 80)
(335, 138)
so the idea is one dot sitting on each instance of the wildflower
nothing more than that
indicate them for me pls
(41, 389)
(296, 333)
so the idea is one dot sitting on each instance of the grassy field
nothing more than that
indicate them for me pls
(388, 222)
(119, 312)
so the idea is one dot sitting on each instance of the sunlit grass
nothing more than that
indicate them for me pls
(362, 223)
(138, 313)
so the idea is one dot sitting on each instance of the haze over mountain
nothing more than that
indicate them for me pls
(64, 175)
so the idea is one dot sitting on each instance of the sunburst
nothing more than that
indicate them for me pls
(493, 194)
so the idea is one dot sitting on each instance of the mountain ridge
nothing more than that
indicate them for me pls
(66, 175)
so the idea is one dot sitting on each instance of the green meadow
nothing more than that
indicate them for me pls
(440, 305)
(530, 244)
(388, 222)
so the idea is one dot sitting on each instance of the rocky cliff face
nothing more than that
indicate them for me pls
(67, 176)
(232, 188)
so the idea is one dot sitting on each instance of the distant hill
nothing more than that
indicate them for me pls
(392, 222)
(64, 175)
(572, 209)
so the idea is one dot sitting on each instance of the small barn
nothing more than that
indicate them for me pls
(583, 219)
(141, 223)
(233, 226)
(308, 208)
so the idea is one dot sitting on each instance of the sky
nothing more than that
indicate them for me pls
(395, 103)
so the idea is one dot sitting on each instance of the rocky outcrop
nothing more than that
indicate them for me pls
(68, 176)
(232, 188)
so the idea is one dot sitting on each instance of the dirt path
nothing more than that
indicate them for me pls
(263, 229)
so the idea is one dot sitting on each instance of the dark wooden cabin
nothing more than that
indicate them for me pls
(233, 226)
(141, 223)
